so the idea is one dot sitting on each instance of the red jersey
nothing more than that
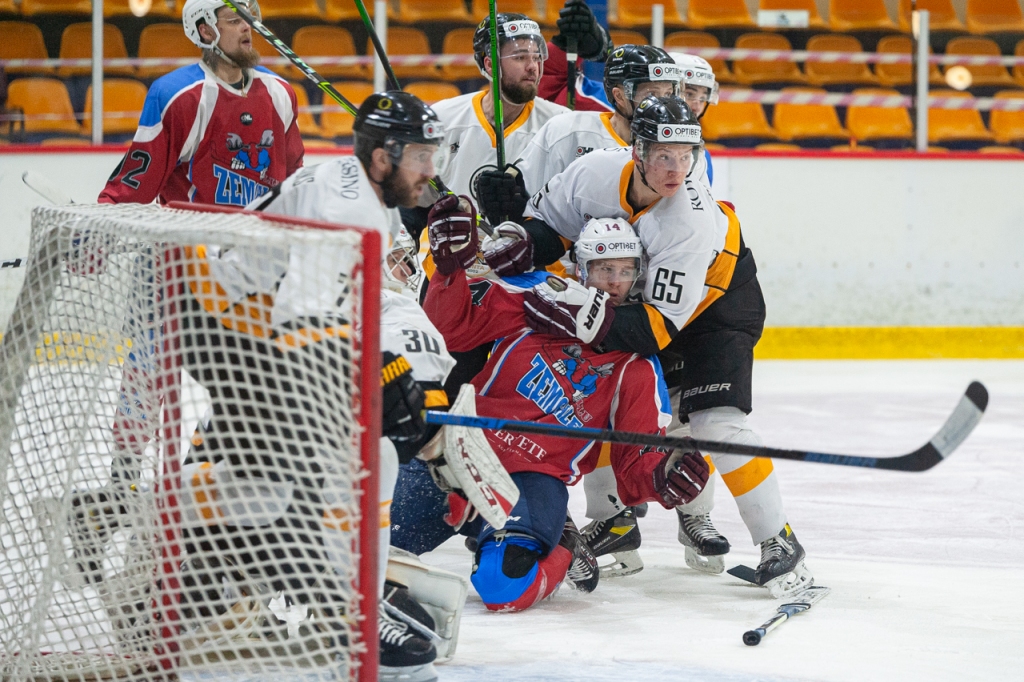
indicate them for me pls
(202, 140)
(546, 379)
(553, 84)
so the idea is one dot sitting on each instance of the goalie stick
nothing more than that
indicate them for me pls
(39, 184)
(958, 426)
(799, 602)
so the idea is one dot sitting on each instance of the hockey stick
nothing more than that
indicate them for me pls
(46, 189)
(958, 426)
(570, 69)
(375, 39)
(801, 601)
(499, 118)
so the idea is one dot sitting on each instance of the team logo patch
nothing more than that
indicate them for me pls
(619, 52)
(246, 118)
(384, 104)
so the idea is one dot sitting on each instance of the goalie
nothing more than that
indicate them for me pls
(544, 377)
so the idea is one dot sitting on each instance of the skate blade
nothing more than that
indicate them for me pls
(625, 563)
(411, 673)
(712, 565)
(798, 579)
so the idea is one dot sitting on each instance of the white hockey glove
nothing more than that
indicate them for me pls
(568, 309)
(510, 251)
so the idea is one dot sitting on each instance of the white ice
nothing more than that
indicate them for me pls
(923, 567)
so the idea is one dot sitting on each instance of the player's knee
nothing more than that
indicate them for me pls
(512, 575)
(727, 424)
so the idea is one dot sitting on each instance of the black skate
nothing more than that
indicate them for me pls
(705, 546)
(620, 537)
(583, 573)
(782, 568)
(401, 605)
(404, 655)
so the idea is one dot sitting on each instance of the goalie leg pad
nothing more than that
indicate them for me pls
(511, 575)
(442, 594)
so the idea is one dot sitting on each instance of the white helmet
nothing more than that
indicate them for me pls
(697, 71)
(606, 238)
(401, 268)
(195, 11)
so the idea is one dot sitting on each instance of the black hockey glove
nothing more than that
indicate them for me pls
(502, 195)
(681, 476)
(577, 21)
(403, 399)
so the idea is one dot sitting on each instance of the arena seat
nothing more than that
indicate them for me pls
(432, 91)
(267, 51)
(994, 16)
(166, 41)
(459, 41)
(874, 124)
(1018, 71)
(346, 10)
(22, 40)
(942, 15)
(9, 7)
(804, 123)
(999, 149)
(401, 41)
(701, 14)
(681, 40)
(833, 73)
(76, 43)
(728, 121)
(339, 123)
(1008, 126)
(814, 17)
(897, 75)
(415, 11)
(960, 127)
(307, 124)
(621, 36)
(290, 9)
(119, 95)
(633, 13)
(159, 8)
(981, 76)
(480, 9)
(36, 96)
(777, 147)
(859, 15)
(32, 7)
(751, 72)
(327, 41)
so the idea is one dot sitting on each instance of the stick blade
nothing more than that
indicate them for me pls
(39, 184)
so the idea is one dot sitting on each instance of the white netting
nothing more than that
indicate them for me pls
(180, 449)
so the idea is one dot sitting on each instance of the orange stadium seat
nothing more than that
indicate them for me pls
(956, 125)
(702, 14)
(897, 75)
(941, 15)
(267, 51)
(633, 13)
(164, 41)
(681, 40)
(1018, 71)
(159, 8)
(803, 122)
(33, 7)
(39, 96)
(415, 11)
(307, 124)
(859, 15)
(751, 72)
(731, 120)
(432, 91)
(22, 40)
(346, 10)
(879, 123)
(1008, 126)
(402, 41)
(777, 147)
(814, 17)
(480, 9)
(8, 7)
(290, 9)
(999, 149)
(76, 43)
(459, 41)
(124, 95)
(339, 123)
(981, 76)
(327, 41)
(621, 36)
(828, 73)
(994, 16)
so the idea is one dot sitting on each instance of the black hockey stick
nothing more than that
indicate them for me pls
(375, 39)
(958, 426)
(799, 602)
(570, 73)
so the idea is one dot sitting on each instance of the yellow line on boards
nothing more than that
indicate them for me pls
(890, 343)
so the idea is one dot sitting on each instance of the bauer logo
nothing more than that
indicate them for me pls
(687, 134)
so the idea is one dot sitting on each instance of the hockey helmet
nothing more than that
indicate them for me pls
(696, 72)
(401, 268)
(605, 239)
(629, 65)
(511, 26)
(394, 119)
(664, 120)
(196, 12)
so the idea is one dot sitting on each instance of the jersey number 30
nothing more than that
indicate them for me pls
(429, 344)
(668, 286)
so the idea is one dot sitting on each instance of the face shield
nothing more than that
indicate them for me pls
(400, 268)
(252, 7)
(611, 272)
(661, 80)
(423, 156)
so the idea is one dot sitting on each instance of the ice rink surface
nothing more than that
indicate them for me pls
(924, 568)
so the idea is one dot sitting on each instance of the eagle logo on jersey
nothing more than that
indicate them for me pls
(580, 372)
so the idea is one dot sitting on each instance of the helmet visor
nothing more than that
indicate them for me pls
(669, 157)
(612, 271)
(524, 50)
(427, 159)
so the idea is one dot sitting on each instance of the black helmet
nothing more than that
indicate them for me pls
(400, 116)
(510, 25)
(629, 65)
(666, 120)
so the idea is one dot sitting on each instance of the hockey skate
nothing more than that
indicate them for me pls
(404, 655)
(782, 568)
(618, 536)
(583, 573)
(705, 546)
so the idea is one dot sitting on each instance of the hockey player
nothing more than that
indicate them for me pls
(546, 377)
(222, 131)
(576, 23)
(700, 90)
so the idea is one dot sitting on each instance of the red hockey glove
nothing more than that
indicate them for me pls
(510, 251)
(568, 309)
(681, 476)
(451, 231)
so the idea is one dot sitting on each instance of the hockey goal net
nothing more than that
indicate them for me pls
(188, 452)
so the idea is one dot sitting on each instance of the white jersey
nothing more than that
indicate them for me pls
(561, 141)
(681, 235)
(406, 330)
(471, 140)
